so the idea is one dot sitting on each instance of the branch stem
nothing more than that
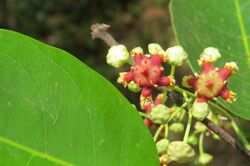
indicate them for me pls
(201, 151)
(185, 139)
(158, 132)
(172, 70)
(166, 131)
(180, 90)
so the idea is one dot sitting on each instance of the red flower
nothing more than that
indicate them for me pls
(147, 72)
(212, 81)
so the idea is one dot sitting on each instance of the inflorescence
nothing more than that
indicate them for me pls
(147, 73)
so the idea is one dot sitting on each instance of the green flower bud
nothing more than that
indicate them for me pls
(210, 54)
(117, 56)
(200, 127)
(204, 159)
(133, 87)
(192, 139)
(177, 127)
(180, 152)
(160, 114)
(162, 146)
(176, 55)
(200, 110)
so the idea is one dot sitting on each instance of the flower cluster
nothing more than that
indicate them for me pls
(212, 81)
(147, 73)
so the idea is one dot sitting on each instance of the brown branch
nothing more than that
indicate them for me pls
(100, 31)
(235, 144)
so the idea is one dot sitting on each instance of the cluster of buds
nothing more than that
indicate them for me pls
(211, 82)
(147, 73)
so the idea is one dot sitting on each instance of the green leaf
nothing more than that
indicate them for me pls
(224, 24)
(54, 110)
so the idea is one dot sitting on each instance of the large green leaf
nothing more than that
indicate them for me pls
(224, 24)
(54, 110)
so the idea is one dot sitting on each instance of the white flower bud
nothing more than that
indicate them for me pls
(154, 48)
(117, 55)
(200, 127)
(176, 55)
(210, 54)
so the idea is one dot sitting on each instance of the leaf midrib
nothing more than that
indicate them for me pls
(243, 30)
(35, 152)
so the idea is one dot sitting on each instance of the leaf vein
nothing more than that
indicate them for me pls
(34, 152)
(242, 29)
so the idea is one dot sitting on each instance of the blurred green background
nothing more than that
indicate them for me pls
(66, 24)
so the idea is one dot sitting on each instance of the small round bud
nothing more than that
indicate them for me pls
(210, 54)
(176, 55)
(200, 127)
(134, 87)
(177, 127)
(160, 114)
(117, 56)
(162, 146)
(200, 110)
(136, 51)
(154, 48)
(180, 152)
(192, 139)
(204, 159)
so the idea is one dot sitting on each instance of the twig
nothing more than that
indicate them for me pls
(235, 144)
(100, 31)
